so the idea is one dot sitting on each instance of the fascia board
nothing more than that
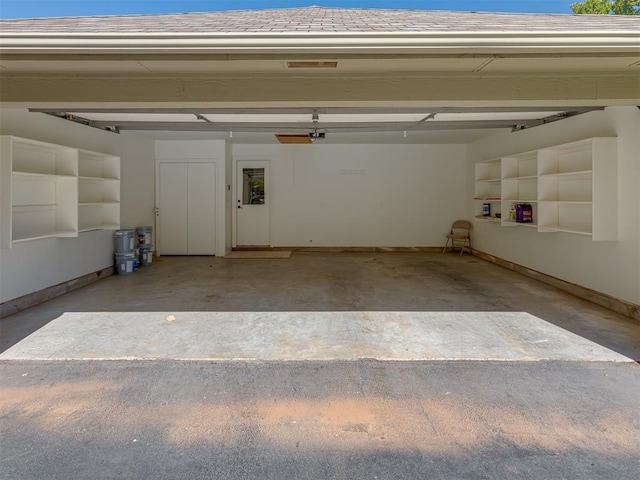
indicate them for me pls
(330, 42)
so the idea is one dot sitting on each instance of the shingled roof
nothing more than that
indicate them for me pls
(319, 19)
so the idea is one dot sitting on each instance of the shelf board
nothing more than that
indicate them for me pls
(88, 204)
(488, 199)
(33, 208)
(509, 223)
(99, 227)
(517, 200)
(91, 179)
(565, 202)
(551, 228)
(488, 219)
(98, 179)
(34, 176)
(65, 233)
(40, 175)
(581, 173)
(528, 177)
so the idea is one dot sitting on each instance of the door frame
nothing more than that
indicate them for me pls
(235, 193)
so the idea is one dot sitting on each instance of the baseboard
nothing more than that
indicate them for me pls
(342, 249)
(31, 299)
(622, 307)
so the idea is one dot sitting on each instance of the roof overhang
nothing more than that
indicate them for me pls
(575, 42)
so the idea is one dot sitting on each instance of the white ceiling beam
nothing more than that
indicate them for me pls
(319, 110)
(419, 90)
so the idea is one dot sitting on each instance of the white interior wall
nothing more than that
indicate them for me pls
(38, 264)
(137, 182)
(609, 267)
(362, 195)
(203, 150)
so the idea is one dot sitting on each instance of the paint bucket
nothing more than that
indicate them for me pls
(144, 235)
(146, 255)
(124, 263)
(124, 241)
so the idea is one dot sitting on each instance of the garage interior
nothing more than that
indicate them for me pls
(367, 350)
(406, 128)
(316, 141)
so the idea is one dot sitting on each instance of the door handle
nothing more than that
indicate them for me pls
(239, 206)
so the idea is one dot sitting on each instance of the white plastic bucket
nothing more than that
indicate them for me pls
(124, 241)
(124, 263)
(146, 255)
(144, 235)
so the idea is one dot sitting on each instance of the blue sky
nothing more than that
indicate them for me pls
(55, 8)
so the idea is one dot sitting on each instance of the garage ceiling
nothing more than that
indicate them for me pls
(356, 75)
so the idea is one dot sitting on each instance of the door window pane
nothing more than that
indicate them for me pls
(253, 186)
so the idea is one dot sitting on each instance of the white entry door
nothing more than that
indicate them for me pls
(252, 203)
(186, 208)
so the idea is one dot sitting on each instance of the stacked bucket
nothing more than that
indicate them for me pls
(125, 252)
(128, 255)
(144, 235)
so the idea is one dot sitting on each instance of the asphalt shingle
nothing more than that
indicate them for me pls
(319, 19)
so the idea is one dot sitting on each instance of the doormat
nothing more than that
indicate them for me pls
(259, 254)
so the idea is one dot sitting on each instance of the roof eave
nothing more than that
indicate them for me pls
(319, 42)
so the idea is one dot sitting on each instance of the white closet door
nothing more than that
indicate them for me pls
(201, 202)
(173, 208)
(187, 208)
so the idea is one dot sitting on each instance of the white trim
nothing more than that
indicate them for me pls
(325, 42)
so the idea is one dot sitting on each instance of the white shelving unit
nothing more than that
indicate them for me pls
(571, 188)
(577, 188)
(520, 185)
(488, 189)
(98, 191)
(49, 190)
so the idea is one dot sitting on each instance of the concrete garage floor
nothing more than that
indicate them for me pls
(550, 397)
